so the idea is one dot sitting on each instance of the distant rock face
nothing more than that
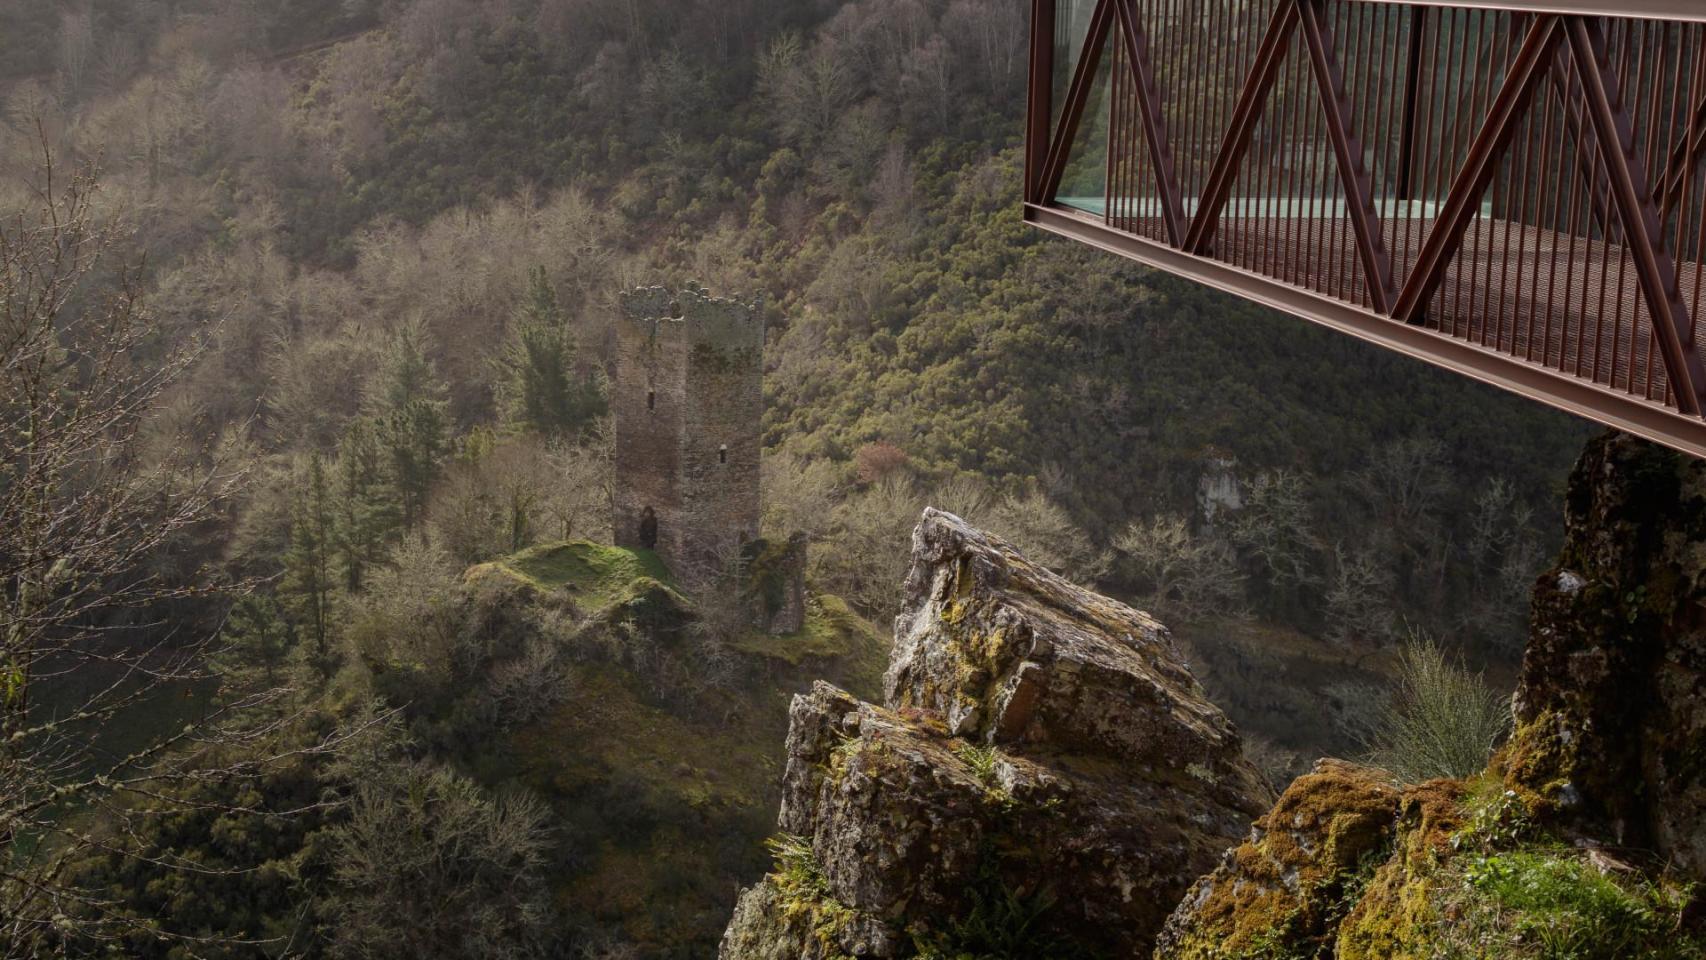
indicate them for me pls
(1043, 750)
(1611, 712)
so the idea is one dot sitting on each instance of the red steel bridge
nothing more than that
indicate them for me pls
(1512, 190)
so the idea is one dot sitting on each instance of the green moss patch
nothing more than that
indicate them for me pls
(595, 576)
(832, 630)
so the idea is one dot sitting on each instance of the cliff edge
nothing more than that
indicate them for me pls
(1584, 838)
(1044, 778)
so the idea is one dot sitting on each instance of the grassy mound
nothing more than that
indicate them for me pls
(595, 576)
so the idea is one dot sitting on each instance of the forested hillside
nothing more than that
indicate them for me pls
(370, 252)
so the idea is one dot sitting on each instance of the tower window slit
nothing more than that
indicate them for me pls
(651, 399)
(723, 453)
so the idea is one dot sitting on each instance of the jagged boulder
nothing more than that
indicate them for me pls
(1611, 710)
(1045, 762)
(1008, 653)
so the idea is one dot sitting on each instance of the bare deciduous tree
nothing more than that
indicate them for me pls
(1182, 576)
(94, 629)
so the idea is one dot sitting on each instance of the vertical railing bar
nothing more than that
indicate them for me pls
(1199, 45)
(1212, 108)
(1294, 134)
(1435, 162)
(1424, 146)
(1120, 139)
(1633, 195)
(1110, 157)
(1532, 203)
(1628, 47)
(1369, 101)
(1552, 228)
(1500, 198)
(1582, 227)
(1388, 40)
(1460, 125)
(1360, 44)
(1653, 96)
(1699, 258)
(1675, 123)
(1518, 186)
(1274, 143)
(1501, 184)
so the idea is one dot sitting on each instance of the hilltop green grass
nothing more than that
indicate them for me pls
(595, 576)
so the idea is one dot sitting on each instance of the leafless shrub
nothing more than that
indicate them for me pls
(93, 627)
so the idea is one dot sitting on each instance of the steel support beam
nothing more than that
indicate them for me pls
(1633, 197)
(1683, 157)
(1154, 120)
(1446, 238)
(1083, 78)
(1258, 84)
(1347, 149)
(1039, 107)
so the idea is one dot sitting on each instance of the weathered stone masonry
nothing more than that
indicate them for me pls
(687, 402)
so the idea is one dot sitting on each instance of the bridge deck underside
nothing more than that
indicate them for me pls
(1553, 343)
(1500, 293)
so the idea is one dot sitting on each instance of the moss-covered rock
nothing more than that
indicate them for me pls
(1611, 711)
(1046, 776)
(1282, 892)
(1606, 754)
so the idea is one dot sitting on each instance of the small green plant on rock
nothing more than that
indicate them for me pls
(1443, 721)
(805, 892)
(1556, 905)
(1001, 924)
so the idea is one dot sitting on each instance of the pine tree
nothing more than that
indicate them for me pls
(367, 510)
(308, 582)
(409, 407)
(256, 634)
(538, 384)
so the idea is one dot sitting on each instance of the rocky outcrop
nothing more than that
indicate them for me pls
(1611, 711)
(1044, 768)
(1580, 838)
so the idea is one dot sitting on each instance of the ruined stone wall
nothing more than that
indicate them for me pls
(687, 402)
(648, 401)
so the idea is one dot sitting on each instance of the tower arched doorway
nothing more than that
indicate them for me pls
(649, 529)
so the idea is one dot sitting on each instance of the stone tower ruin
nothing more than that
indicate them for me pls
(687, 402)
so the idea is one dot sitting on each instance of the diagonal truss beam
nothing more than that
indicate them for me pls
(1669, 184)
(1264, 72)
(1545, 33)
(1148, 95)
(1353, 172)
(1633, 198)
(1077, 95)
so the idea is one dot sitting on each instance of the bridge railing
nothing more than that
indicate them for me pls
(1525, 181)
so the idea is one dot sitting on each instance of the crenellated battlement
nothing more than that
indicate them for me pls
(694, 317)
